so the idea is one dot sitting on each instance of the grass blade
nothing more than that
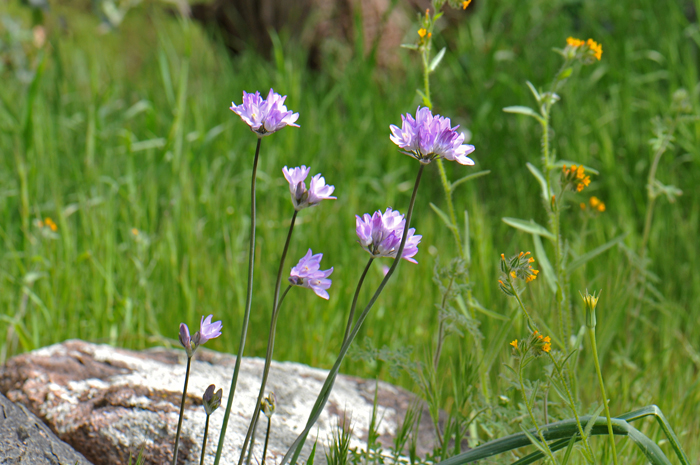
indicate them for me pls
(529, 227)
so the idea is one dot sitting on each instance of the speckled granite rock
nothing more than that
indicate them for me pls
(25, 440)
(108, 402)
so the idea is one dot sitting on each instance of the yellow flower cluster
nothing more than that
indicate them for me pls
(48, 222)
(465, 4)
(593, 46)
(536, 341)
(596, 48)
(575, 42)
(514, 344)
(546, 341)
(577, 175)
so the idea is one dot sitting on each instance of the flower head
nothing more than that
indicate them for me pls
(573, 42)
(514, 344)
(265, 116)
(429, 137)
(186, 340)
(380, 235)
(208, 330)
(595, 48)
(307, 273)
(576, 177)
(212, 400)
(590, 302)
(465, 4)
(301, 196)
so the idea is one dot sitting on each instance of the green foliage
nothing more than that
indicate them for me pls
(125, 141)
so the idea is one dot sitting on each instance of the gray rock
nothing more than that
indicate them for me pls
(25, 440)
(107, 402)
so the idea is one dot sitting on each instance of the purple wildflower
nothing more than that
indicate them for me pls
(186, 340)
(307, 273)
(208, 330)
(265, 116)
(301, 196)
(429, 137)
(380, 235)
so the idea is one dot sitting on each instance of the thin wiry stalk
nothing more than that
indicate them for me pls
(182, 410)
(246, 315)
(354, 300)
(591, 334)
(295, 449)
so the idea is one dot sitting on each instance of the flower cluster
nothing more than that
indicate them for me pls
(301, 196)
(589, 48)
(307, 273)
(427, 138)
(207, 330)
(265, 116)
(576, 177)
(380, 235)
(538, 343)
(518, 266)
(595, 203)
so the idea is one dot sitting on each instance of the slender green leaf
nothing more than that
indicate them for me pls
(591, 422)
(167, 80)
(549, 276)
(521, 110)
(665, 426)
(529, 227)
(443, 216)
(534, 92)
(533, 440)
(469, 177)
(569, 449)
(437, 59)
(580, 261)
(481, 309)
(467, 247)
(540, 178)
(312, 455)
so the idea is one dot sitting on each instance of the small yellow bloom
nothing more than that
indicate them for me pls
(582, 205)
(50, 224)
(465, 4)
(503, 257)
(134, 231)
(579, 172)
(547, 347)
(430, 34)
(601, 207)
(596, 48)
(512, 273)
(594, 202)
(422, 32)
(514, 344)
(531, 260)
(547, 339)
(574, 42)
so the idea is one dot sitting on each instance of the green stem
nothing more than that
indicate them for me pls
(268, 356)
(246, 315)
(295, 449)
(532, 415)
(354, 300)
(267, 438)
(182, 410)
(204, 441)
(591, 334)
(565, 382)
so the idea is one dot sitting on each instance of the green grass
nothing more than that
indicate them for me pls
(132, 130)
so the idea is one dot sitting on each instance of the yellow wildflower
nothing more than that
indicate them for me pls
(547, 339)
(547, 347)
(601, 207)
(514, 344)
(596, 48)
(512, 273)
(50, 224)
(594, 202)
(574, 42)
(134, 231)
(422, 32)
(465, 4)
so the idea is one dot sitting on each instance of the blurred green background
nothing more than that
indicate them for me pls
(123, 137)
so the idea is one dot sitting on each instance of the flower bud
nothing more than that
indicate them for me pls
(186, 341)
(590, 302)
(212, 400)
(269, 405)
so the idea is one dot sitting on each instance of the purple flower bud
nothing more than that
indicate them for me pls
(211, 400)
(380, 235)
(307, 273)
(186, 340)
(208, 330)
(265, 116)
(301, 197)
(429, 137)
